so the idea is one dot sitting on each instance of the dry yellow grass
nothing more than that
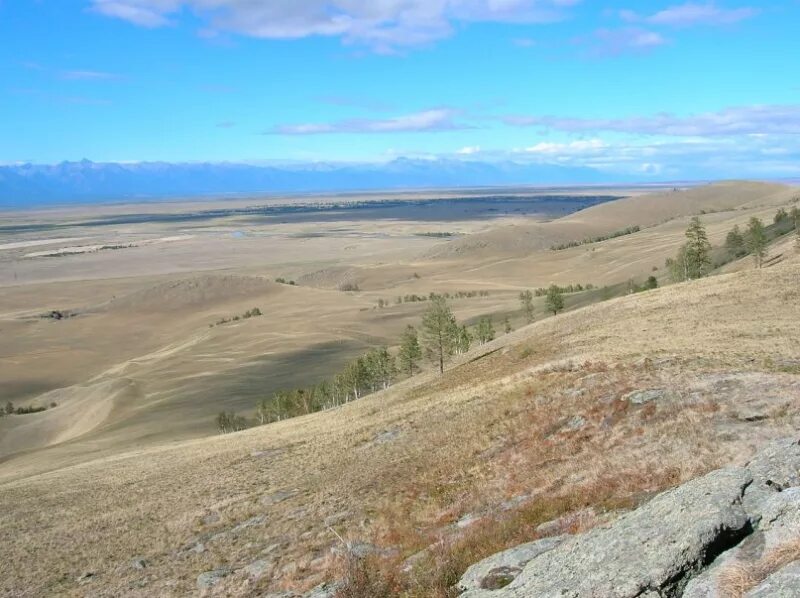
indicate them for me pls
(136, 379)
(400, 467)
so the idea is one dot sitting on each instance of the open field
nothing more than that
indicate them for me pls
(138, 363)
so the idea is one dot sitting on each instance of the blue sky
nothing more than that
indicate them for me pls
(661, 88)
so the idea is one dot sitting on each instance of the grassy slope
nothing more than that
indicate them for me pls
(642, 210)
(399, 467)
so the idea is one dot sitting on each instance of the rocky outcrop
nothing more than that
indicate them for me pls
(679, 542)
(502, 568)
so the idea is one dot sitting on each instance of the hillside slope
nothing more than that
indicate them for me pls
(587, 412)
(641, 210)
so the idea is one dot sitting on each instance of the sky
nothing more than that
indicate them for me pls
(662, 88)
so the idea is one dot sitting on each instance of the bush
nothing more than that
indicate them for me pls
(228, 422)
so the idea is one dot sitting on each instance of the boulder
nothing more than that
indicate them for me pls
(655, 548)
(500, 569)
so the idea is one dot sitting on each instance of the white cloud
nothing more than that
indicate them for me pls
(469, 150)
(439, 119)
(579, 147)
(625, 40)
(742, 120)
(692, 13)
(384, 25)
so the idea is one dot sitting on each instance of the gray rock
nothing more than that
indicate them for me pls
(778, 523)
(640, 397)
(655, 548)
(502, 568)
(775, 468)
(323, 590)
(783, 584)
(211, 578)
(258, 568)
(85, 577)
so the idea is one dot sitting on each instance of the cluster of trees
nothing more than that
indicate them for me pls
(570, 288)
(281, 280)
(250, 313)
(9, 409)
(694, 258)
(437, 235)
(414, 298)
(649, 284)
(588, 240)
(754, 240)
(554, 300)
(439, 338)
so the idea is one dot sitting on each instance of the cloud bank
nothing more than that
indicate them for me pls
(383, 25)
(743, 120)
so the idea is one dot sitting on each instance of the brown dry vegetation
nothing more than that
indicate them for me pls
(529, 428)
(401, 467)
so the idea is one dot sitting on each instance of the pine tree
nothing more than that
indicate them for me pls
(381, 368)
(485, 332)
(526, 299)
(507, 325)
(795, 216)
(757, 241)
(698, 250)
(439, 331)
(555, 299)
(734, 242)
(410, 351)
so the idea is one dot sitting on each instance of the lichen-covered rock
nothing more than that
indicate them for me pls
(655, 548)
(502, 568)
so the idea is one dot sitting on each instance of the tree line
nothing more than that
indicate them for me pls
(438, 339)
(589, 240)
(414, 298)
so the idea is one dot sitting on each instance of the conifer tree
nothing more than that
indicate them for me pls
(757, 241)
(526, 299)
(410, 351)
(698, 250)
(439, 331)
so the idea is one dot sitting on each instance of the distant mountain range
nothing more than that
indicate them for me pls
(85, 181)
